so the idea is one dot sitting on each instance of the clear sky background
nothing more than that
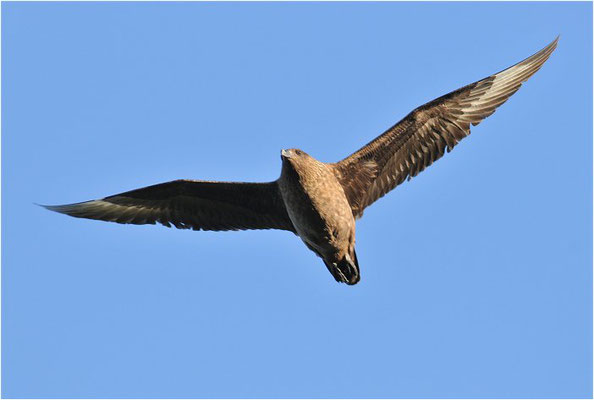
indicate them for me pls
(476, 275)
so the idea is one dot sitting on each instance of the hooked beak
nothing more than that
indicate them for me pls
(285, 153)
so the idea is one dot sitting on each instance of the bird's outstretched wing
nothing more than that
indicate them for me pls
(186, 204)
(422, 136)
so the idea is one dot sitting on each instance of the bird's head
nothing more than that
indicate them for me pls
(293, 155)
(296, 160)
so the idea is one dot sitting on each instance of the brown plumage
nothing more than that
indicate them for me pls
(318, 201)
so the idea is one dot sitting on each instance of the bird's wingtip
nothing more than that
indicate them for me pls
(55, 208)
(553, 44)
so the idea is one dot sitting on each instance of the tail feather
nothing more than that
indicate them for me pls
(345, 270)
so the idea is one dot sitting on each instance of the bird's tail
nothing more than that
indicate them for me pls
(345, 270)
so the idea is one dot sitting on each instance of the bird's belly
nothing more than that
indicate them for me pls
(322, 218)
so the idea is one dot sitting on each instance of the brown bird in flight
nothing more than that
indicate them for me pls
(318, 201)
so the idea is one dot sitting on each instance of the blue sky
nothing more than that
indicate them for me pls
(476, 275)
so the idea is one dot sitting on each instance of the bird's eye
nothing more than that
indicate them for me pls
(299, 152)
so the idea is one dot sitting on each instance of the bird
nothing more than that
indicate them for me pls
(320, 202)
